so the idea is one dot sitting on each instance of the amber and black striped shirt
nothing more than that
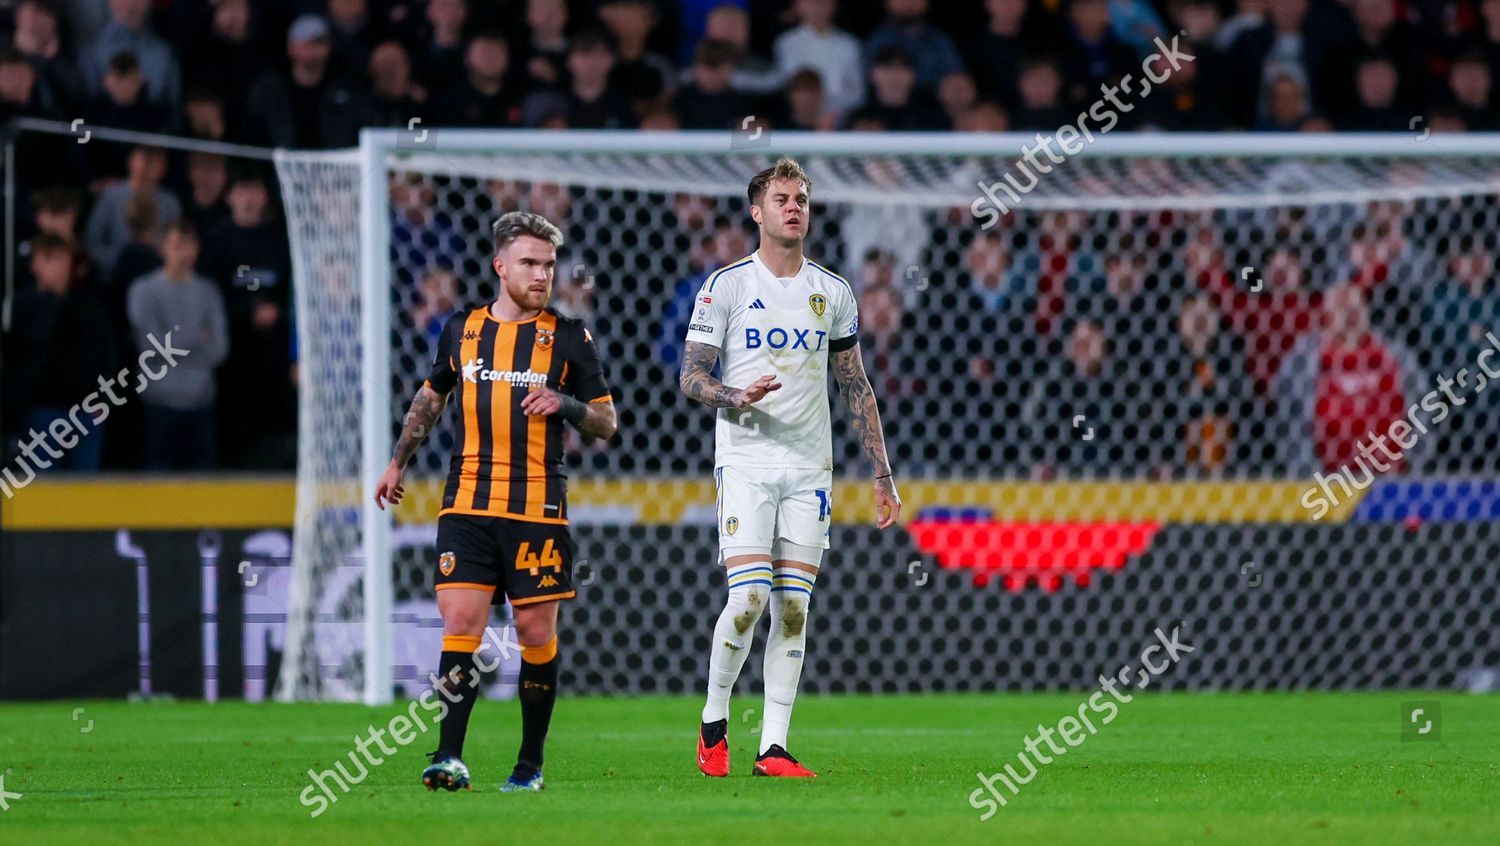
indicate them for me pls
(505, 463)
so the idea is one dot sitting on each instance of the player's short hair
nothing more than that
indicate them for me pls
(514, 225)
(786, 168)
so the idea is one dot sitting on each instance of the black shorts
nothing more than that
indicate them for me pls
(519, 560)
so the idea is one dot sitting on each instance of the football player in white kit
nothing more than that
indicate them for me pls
(775, 320)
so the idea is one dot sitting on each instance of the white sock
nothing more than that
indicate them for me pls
(791, 593)
(749, 585)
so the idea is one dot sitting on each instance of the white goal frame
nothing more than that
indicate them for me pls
(378, 147)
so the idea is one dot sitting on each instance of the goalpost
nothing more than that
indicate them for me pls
(386, 237)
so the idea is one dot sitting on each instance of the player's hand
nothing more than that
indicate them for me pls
(887, 503)
(757, 392)
(389, 488)
(541, 402)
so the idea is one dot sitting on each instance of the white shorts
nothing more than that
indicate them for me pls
(758, 505)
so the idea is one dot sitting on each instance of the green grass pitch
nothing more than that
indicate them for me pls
(1171, 768)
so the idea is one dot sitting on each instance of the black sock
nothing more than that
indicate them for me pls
(537, 695)
(715, 732)
(460, 689)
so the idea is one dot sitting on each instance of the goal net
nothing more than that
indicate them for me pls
(1178, 369)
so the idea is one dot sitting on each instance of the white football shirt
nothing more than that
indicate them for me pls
(785, 327)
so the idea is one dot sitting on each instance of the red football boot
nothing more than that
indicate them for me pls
(713, 760)
(777, 762)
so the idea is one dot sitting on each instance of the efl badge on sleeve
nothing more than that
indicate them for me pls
(731, 525)
(819, 304)
(544, 338)
(447, 562)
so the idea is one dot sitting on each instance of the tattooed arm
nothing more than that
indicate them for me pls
(859, 398)
(425, 410)
(698, 382)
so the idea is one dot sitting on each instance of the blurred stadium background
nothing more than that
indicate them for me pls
(1114, 408)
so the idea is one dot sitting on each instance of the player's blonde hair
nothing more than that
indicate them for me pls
(785, 168)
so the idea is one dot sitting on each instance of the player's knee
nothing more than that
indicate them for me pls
(749, 604)
(793, 616)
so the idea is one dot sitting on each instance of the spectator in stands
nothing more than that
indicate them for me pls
(1092, 56)
(984, 116)
(645, 78)
(422, 234)
(1375, 108)
(437, 301)
(38, 36)
(725, 244)
(138, 257)
(223, 57)
(1287, 108)
(1376, 34)
(1270, 319)
(395, 98)
(1485, 39)
(107, 231)
(1341, 383)
(58, 210)
(930, 50)
(806, 105)
(661, 119)
(1292, 41)
(482, 99)
(1040, 88)
(205, 117)
(883, 320)
(1213, 419)
(352, 33)
(1461, 317)
(957, 93)
(129, 31)
(62, 343)
(176, 304)
(896, 100)
(593, 103)
(709, 101)
(19, 94)
(1189, 100)
(208, 176)
(816, 44)
(753, 75)
(546, 53)
(307, 106)
(1470, 92)
(994, 56)
(438, 52)
(1136, 24)
(122, 105)
(247, 257)
(692, 23)
(1076, 422)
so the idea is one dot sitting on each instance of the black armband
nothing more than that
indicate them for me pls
(573, 410)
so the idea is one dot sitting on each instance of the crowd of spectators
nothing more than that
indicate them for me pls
(118, 241)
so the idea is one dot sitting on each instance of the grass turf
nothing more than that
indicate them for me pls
(1172, 768)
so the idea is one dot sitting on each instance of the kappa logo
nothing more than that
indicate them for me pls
(471, 335)
(544, 339)
(447, 562)
(547, 581)
(819, 304)
(731, 525)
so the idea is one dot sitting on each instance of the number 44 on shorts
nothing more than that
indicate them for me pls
(528, 560)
